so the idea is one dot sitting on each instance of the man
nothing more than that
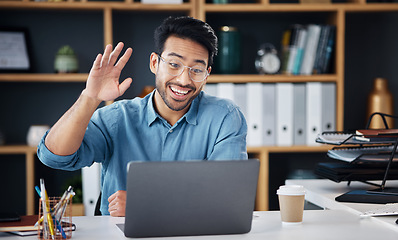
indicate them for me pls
(177, 121)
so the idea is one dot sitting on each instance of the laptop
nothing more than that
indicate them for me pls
(190, 198)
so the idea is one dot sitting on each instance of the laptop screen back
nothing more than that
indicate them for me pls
(190, 198)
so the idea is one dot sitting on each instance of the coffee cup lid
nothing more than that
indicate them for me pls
(291, 190)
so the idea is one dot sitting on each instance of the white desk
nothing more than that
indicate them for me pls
(322, 193)
(317, 225)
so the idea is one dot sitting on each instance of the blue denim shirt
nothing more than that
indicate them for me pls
(131, 130)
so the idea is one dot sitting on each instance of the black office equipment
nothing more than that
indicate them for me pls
(9, 217)
(364, 166)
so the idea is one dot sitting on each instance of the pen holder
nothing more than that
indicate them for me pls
(61, 226)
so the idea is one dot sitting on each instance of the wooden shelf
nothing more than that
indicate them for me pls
(44, 77)
(214, 78)
(16, 149)
(29, 153)
(287, 149)
(130, 6)
(244, 78)
(208, 7)
(257, 7)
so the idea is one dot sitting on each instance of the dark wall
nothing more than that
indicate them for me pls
(371, 51)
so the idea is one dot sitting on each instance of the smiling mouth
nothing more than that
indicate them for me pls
(179, 92)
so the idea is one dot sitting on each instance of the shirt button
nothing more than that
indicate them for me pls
(171, 131)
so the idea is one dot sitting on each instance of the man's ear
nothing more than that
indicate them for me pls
(208, 71)
(153, 63)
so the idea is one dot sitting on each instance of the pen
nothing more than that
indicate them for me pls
(61, 202)
(46, 210)
(45, 225)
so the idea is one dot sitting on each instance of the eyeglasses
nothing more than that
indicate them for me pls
(175, 68)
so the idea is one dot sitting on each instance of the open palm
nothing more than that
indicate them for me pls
(103, 80)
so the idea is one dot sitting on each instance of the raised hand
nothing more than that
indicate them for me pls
(103, 80)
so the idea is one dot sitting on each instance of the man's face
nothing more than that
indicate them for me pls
(177, 92)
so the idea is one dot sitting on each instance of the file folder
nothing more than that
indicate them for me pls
(328, 107)
(284, 114)
(314, 112)
(299, 112)
(225, 90)
(240, 97)
(254, 114)
(269, 111)
(211, 89)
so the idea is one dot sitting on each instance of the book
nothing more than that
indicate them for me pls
(65, 226)
(26, 226)
(27, 223)
(295, 34)
(285, 49)
(302, 38)
(321, 50)
(310, 49)
(377, 131)
(389, 135)
(326, 59)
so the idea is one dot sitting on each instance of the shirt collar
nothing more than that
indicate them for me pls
(151, 113)
(190, 116)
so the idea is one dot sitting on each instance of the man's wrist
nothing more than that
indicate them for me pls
(90, 99)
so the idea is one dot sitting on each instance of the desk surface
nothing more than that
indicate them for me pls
(322, 193)
(318, 224)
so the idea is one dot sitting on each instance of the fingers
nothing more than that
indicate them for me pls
(97, 62)
(124, 59)
(115, 54)
(110, 57)
(117, 204)
(112, 197)
(105, 57)
(125, 85)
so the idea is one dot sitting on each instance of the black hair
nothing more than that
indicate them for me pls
(187, 28)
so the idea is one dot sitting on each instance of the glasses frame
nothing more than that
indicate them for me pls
(189, 70)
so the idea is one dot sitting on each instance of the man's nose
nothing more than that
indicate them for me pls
(184, 77)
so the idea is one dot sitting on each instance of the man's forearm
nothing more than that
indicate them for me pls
(66, 136)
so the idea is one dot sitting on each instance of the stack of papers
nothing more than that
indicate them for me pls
(336, 138)
(363, 154)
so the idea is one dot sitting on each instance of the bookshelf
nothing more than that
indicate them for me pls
(108, 12)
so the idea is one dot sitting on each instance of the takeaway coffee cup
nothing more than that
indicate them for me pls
(291, 203)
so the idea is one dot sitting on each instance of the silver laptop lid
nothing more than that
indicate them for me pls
(190, 198)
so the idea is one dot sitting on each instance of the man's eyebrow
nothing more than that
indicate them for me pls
(179, 56)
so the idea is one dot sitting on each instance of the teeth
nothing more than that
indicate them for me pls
(178, 91)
